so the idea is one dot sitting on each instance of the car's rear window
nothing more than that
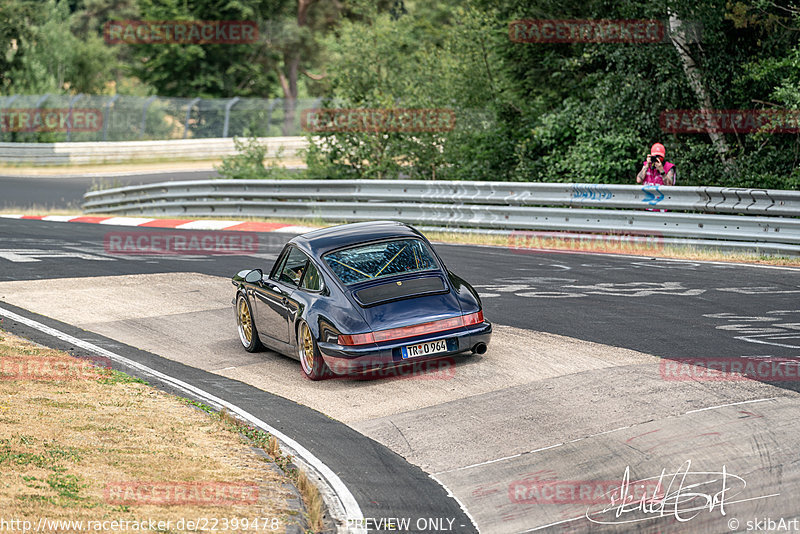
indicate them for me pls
(379, 260)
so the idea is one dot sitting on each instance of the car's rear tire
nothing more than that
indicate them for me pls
(311, 362)
(245, 325)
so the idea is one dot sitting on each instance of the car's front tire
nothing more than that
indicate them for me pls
(311, 362)
(245, 325)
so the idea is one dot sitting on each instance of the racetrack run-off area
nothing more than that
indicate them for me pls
(572, 392)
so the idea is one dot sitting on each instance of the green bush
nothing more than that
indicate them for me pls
(248, 163)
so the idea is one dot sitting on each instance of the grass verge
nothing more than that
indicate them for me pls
(312, 498)
(85, 443)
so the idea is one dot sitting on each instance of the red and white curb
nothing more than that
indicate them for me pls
(179, 224)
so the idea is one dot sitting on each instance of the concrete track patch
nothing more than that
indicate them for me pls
(535, 403)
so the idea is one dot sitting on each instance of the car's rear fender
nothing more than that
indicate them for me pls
(468, 298)
(327, 319)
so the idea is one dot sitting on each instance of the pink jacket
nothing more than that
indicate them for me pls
(652, 177)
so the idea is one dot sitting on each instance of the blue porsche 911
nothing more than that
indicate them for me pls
(358, 298)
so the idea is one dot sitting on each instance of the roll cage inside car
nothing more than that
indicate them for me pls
(429, 258)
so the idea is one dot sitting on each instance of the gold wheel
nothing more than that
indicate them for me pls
(245, 323)
(306, 348)
(311, 361)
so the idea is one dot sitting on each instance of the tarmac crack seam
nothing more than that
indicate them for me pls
(410, 448)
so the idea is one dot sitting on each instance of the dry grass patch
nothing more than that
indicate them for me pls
(524, 244)
(66, 443)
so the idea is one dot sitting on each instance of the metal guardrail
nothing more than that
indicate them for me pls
(702, 199)
(42, 154)
(752, 215)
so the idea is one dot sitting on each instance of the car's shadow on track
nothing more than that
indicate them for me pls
(444, 368)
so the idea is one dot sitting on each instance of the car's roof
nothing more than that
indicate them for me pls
(318, 242)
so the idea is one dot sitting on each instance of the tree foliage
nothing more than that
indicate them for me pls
(43, 55)
(580, 112)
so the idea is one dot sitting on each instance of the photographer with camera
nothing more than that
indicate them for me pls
(655, 169)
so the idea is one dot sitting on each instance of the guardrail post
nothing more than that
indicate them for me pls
(106, 115)
(144, 114)
(228, 107)
(8, 106)
(188, 116)
(42, 100)
(69, 115)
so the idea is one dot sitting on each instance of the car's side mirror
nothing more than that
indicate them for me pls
(256, 275)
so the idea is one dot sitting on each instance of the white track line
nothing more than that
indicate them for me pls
(59, 218)
(480, 464)
(731, 404)
(350, 506)
(207, 225)
(295, 229)
(126, 221)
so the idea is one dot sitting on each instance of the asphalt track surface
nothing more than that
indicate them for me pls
(491, 449)
(673, 309)
(32, 192)
(407, 492)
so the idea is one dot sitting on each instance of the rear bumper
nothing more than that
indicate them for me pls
(344, 360)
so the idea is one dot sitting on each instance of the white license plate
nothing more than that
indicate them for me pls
(424, 349)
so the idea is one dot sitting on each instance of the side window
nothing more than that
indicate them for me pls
(312, 280)
(293, 268)
(279, 263)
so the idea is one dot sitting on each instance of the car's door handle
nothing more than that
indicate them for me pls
(275, 288)
(279, 291)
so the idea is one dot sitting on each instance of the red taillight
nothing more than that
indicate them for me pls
(356, 339)
(411, 331)
(419, 329)
(473, 318)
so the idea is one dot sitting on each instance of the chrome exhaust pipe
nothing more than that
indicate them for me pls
(479, 348)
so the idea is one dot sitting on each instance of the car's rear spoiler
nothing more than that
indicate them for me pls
(400, 289)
